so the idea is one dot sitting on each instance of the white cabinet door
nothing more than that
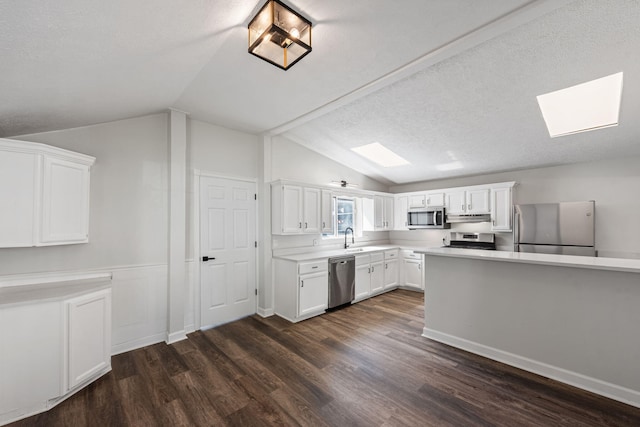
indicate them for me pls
(19, 183)
(388, 213)
(456, 202)
(311, 215)
(327, 212)
(383, 212)
(30, 357)
(377, 277)
(291, 209)
(435, 199)
(501, 209)
(417, 201)
(378, 213)
(88, 336)
(65, 202)
(413, 276)
(363, 282)
(478, 201)
(313, 293)
(401, 206)
(390, 273)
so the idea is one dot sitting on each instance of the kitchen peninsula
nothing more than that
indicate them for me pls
(570, 318)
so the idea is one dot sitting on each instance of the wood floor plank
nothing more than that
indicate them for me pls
(362, 365)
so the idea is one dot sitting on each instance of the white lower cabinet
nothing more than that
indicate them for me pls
(369, 275)
(314, 293)
(88, 337)
(51, 348)
(412, 270)
(301, 288)
(391, 269)
(363, 278)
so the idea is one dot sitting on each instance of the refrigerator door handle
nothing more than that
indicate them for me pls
(516, 230)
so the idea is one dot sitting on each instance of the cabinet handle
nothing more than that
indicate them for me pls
(369, 270)
(373, 269)
(323, 226)
(299, 225)
(305, 225)
(419, 266)
(302, 283)
(386, 266)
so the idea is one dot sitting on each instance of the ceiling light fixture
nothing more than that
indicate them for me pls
(587, 106)
(279, 35)
(381, 155)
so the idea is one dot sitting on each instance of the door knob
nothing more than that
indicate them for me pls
(206, 258)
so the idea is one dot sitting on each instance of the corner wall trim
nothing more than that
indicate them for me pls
(603, 388)
(176, 336)
(265, 312)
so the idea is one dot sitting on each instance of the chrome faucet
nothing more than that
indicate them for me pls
(345, 237)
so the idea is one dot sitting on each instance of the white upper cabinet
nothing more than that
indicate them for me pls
(383, 212)
(417, 201)
(295, 209)
(472, 201)
(311, 210)
(401, 206)
(434, 199)
(47, 192)
(65, 202)
(327, 212)
(501, 209)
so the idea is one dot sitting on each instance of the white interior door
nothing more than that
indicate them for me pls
(227, 249)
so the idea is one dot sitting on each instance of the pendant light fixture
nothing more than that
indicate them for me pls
(279, 35)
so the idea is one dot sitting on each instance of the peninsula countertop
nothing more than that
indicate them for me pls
(597, 263)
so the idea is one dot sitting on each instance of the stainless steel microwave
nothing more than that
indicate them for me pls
(433, 217)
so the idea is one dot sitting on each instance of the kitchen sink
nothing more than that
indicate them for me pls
(354, 250)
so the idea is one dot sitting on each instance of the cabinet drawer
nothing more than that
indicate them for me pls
(392, 254)
(312, 267)
(363, 259)
(379, 256)
(411, 255)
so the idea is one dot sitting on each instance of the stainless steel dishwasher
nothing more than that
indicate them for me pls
(342, 280)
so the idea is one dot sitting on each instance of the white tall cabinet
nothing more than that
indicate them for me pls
(46, 193)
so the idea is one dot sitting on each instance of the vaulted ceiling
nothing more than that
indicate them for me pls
(435, 81)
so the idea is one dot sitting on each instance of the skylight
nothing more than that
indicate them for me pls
(381, 155)
(584, 107)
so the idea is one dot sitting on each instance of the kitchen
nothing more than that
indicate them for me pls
(130, 192)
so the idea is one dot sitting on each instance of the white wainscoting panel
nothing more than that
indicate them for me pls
(139, 307)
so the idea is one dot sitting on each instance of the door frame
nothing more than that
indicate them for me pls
(195, 232)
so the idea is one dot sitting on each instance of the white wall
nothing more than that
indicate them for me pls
(292, 161)
(128, 217)
(612, 183)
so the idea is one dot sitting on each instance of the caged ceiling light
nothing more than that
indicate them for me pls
(279, 35)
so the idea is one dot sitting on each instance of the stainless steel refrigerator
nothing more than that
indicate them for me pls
(566, 228)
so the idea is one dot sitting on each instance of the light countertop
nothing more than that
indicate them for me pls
(47, 288)
(597, 263)
(310, 256)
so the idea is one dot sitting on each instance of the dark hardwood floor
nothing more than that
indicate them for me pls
(365, 365)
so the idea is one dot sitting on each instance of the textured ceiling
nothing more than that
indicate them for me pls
(436, 81)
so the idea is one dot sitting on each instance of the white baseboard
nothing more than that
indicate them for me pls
(603, 388)
(265, 312)
(174, 337)
(135, 344)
